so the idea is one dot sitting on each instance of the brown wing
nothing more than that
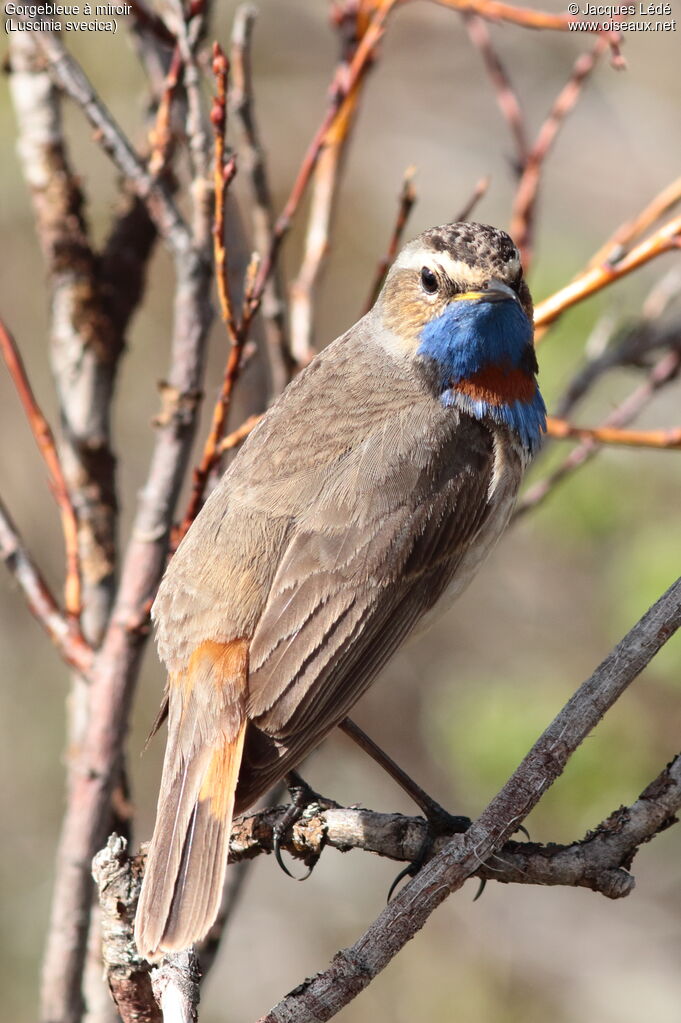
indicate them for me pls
(361, 569)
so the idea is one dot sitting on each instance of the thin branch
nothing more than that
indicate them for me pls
(405, 204)
(661, 374)
(506, 95)
(492, 10)
(477, 194)
(352, 969)
(665, 239)
(161, 135)
(243, 104)
(525, 201)
(41, 603)
(667, 439)
(343, 84)
(72, 79)
(600, 861)
(43, 437)
(352, 23)
(238, 436)
(628, 232)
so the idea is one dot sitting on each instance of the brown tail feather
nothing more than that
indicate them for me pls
(187, 857)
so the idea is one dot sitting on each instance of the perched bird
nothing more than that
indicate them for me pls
(370, 492)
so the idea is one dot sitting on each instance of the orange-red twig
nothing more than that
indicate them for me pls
(492, 10)
(595, 278)
(344, 81)
(664, 371)
(238, 436)
(224, 169)
(406, 201)
(161, 135)
(525, 202)
(615, 246)
(42, 433)
(562, 430)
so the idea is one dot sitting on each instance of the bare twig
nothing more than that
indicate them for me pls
(242, 101)
(71, 646)
(492, 10)
(622, 238)
(72, 79)
(661, 374)
(665, 239)
(161, 136)
(42, 434)
(525, 202)
(352, 969)
(344, 82)
(507, 97)
(352, 25)
(599, 861)
(176, 987)
(667, 439)
(406, 200)
(238, 436)
(477, 194)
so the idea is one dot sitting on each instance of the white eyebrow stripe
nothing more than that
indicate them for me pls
(455, 269)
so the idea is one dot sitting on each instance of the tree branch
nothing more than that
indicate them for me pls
(353, 969)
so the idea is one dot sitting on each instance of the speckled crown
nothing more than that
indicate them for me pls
(478, 245)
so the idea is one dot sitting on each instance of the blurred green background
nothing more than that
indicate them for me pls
(466, 701)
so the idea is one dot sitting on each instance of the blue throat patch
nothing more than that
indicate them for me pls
(474, 338)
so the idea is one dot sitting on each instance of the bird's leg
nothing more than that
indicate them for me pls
(302, 795)
(440, 821)
(439, 818)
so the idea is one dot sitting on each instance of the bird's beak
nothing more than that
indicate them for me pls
(496, 291)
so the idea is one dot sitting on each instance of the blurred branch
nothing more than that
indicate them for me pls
(238, 436)
(242, 101)
(506, 95)
(116, 665)
(161, 135)
(617, 244)
(562, 430)
(528, 18)
(70, 645)
(525, 201)
(352, 969)
(71, 78)
(661, 374)
(406, 200)
(352, 22)
(665, 239)
(478, 193)
(342, 85)
(42, 434)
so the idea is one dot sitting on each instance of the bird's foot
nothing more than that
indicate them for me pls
(439, 823)
(302, 796)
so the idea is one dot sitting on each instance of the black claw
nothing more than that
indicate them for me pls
(301, 797)
(481, 888)
(438, 822)
(409, 871)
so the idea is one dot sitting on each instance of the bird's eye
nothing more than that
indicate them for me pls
(428, 281)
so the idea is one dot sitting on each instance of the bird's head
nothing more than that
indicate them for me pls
(455, 300)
